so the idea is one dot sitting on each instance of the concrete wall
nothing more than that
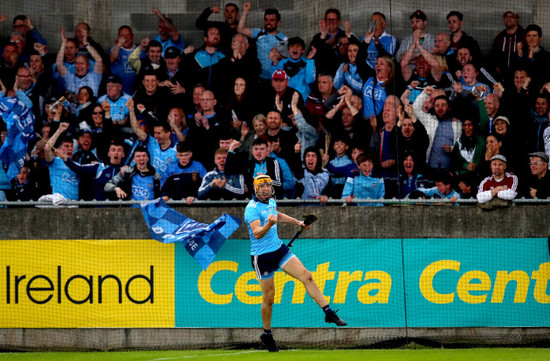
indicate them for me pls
(409, 221)
(482, 20)
(334, 222)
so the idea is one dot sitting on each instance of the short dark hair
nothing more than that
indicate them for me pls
(122, 27)
(19, 17)
(141, 149)
(333, 10)
(232, 4)
(272, 11)
(153, 44)
(533, 27)
(458, 14)
(183, 147)
(164, 126)
(364, 157)
(259, 141)
(296, 40)
(443, 177)
(379, 13)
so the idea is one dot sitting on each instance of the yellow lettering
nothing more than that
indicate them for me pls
(281, 279)
(426, 281)
(242, 287)
(383, 287)
(205, 282)
(502, 280)
(344, 279)
(321, 275)
(541, 276)
(465, 286)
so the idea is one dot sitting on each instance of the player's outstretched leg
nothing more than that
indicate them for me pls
(296, 269)
(269, 342)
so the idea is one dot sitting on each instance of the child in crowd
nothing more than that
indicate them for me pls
(364, 186)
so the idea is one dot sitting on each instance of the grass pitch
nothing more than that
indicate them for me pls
(474, 354)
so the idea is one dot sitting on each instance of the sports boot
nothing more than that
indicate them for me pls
(332, 317)
(269, 342)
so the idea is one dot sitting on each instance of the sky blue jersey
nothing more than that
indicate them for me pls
(258, 210)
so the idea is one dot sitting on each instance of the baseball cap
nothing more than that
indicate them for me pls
(113, 79)
(171, 53)
(503, 118)
(419, 14)
(499, 157)
(541, 155)
(83, 131)
(279, 74)
(511, 11)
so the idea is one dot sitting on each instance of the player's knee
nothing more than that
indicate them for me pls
(307, 277)
(268, 297)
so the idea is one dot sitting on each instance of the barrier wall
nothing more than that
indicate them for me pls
(481, 277)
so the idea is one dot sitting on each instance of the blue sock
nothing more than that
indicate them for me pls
(267, 332)
(327, 309)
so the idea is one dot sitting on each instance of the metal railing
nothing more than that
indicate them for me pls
(283, 202)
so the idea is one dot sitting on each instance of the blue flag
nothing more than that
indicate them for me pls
(20, 129)
(203, 241)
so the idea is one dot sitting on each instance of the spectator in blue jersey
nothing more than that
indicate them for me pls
(364, 186)
(63, 180)
(443, 188)
(217, 184)
(101, 173)
(160, 146)
(300, 70)
(378, 87)
(340, 167)
(139, 182)
(69, 58)
(168, 35)
(378, 41)
(119, 54)
(351, 73)
(184, 176)
(114, 102)
(84, 74)
(266, 38)
(312, 179)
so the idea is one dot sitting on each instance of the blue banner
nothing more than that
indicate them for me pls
(202, 241)
(20, 129)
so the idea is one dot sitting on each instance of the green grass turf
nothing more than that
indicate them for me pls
(474, 354)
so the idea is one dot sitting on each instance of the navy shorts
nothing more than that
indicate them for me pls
(266, 264)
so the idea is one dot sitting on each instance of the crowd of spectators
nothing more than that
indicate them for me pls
(347, 115)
